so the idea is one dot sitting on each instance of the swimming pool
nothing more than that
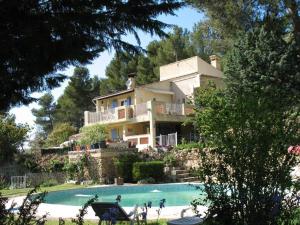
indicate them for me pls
(175, 195)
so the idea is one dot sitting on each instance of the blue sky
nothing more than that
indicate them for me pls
(185, 18)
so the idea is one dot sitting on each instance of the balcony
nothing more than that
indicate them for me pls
(140, 113)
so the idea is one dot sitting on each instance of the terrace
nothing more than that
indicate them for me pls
(159, 111)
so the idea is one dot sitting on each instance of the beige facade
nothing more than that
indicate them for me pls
(142, 113)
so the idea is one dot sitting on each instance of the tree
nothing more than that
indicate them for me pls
(77, 98)
(60, 134)
(12, 137)
(247, 130)
(176, 46)
(40, 37)
(93, 134)
(44, 115)
(118, 69)
(227, 19)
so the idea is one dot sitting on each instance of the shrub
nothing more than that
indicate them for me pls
(74, 170)
(189, 145)
(4, 182)
(143, 170)
(49, 183)
(92, 134)
(60, 133)
(170, 160)
(124, 164)
(56, 165)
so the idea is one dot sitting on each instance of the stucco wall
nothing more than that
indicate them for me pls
(137, 128)
(106, 103)
(193, 65)
(143, 96)
(206, 68)
(180, 68)
(184, 88)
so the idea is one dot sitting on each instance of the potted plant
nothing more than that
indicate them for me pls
(94, 134)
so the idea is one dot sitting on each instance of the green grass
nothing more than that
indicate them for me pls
(23, 191)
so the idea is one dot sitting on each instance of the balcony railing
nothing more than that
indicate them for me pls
(162, 108)
(124, 113)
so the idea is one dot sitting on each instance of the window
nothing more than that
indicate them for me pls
(114, 134)
(114, 103)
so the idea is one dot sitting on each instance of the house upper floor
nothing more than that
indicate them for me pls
(169, 99)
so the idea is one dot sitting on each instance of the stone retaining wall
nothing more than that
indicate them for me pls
(188, 159)
(101, 165)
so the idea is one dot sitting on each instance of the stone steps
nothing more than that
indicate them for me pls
(177, 172)
(182, 175)
(189, 179)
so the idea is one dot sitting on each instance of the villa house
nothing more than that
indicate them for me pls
(142, 114)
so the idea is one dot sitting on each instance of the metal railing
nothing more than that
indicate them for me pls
(162, 108)
(133, 111)
(167, 140)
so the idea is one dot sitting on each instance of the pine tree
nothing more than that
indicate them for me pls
(38, 38)
(77, 98)
(44, 115)
(248, 128)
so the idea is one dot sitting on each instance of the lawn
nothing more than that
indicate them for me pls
(23, 191)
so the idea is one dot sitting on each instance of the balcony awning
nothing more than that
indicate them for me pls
(159, 91)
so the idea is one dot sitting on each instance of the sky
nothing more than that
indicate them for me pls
(185, 17)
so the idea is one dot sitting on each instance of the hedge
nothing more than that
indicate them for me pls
(143, 170)
(124, 164)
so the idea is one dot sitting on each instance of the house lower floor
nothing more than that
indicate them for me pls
(145, 134)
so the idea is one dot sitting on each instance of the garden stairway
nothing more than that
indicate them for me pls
(182, 175)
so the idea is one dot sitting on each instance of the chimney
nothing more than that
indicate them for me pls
(131, 81)
(215, 61)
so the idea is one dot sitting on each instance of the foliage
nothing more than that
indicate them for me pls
(51, 36)
(55, 165)
(170, 159)
(188, 145)
(72, 170)
(12, 137)
(49, 183)
(28, 161)
(4, 183)
(77, 98)
(142, 170)
(248, 129)
(60, 134)
(37, 142)
(44, 115)
(75, 170)
(26, 212)
(227, 19)
(124, 164)
(92, 134)
(180, 44)
(79, 218)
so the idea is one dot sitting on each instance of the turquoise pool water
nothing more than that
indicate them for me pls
(175, 195)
